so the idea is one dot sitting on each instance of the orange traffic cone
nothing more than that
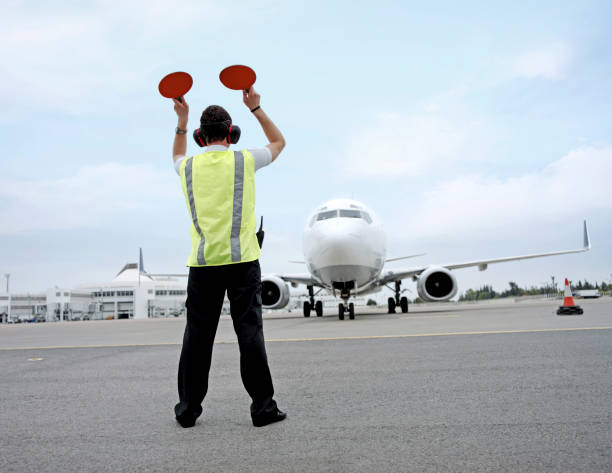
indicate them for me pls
(568, 307)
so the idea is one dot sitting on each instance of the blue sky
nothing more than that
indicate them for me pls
(474, 130)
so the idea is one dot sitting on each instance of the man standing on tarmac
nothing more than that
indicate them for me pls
(219, 187)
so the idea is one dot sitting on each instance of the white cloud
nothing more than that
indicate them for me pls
(547, 62)
(62, 59)
(95, 195)
(566, 190)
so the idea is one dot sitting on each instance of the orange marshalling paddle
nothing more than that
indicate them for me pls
(175, 85)
(238, 77)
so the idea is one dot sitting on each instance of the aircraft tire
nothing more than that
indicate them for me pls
(391, 304)
(319, 308)
(352, 311)
(307, 309)
(341, 311)
(404, 304)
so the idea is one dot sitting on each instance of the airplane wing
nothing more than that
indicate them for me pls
(404, 257)
(305, 278)
(398, 274)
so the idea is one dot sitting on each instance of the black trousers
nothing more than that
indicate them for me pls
(205, 293)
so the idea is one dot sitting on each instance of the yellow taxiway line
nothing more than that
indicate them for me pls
(321, 339)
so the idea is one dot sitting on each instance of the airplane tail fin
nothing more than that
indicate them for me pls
(141, 263)
(587, 241)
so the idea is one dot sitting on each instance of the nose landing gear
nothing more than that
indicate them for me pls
(342, 308)
(396, 301)
(345, 294)
(346, 288)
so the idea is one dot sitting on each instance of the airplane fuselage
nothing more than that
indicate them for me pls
(344, 246)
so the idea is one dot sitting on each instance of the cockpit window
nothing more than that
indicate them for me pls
(356, 214)
(327, 215)
(350, 213)
(346, 213)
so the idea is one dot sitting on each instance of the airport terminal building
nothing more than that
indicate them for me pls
(132, 293)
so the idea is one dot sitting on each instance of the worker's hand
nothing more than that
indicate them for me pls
(251, 98)
(182, 111)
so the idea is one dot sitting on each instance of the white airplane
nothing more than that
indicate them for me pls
(345, 252)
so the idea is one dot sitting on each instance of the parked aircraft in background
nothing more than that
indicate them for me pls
(345, 253)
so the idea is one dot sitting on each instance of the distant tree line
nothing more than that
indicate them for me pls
(487, 292)
(587, 285)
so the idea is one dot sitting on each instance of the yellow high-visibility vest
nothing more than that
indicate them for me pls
(219, 188)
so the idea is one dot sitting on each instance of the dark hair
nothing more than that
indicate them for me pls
(215, 122)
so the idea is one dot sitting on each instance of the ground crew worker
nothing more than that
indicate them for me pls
(219, 189)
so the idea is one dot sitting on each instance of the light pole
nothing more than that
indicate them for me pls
(8, 292)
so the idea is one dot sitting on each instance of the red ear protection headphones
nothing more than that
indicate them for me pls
(233, 132)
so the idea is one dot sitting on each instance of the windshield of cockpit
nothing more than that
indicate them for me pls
(341, 213)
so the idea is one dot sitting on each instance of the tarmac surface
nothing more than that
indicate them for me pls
(491, 387)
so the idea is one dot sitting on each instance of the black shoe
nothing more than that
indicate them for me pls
(270, 418)
(186, 416)
(186, 421)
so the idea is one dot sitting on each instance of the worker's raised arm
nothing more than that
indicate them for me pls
(276, 140)
(179, 148)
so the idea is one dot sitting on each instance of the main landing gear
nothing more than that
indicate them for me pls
(309, 305)
(402, 302)
(342, 308)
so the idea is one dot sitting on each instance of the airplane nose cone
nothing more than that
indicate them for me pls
(342, 248)
(343, 242)
(336, 247)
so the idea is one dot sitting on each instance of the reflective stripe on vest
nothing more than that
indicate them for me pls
(237, 207)
(192, 209)
(219, 188)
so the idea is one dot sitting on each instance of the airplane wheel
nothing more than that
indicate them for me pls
(341, 311)
(391, 303)
(404, 304)
(352, 311)
(306, 309)
(319, 308)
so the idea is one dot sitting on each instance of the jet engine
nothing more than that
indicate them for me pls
(274, 292)
(436, 284)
